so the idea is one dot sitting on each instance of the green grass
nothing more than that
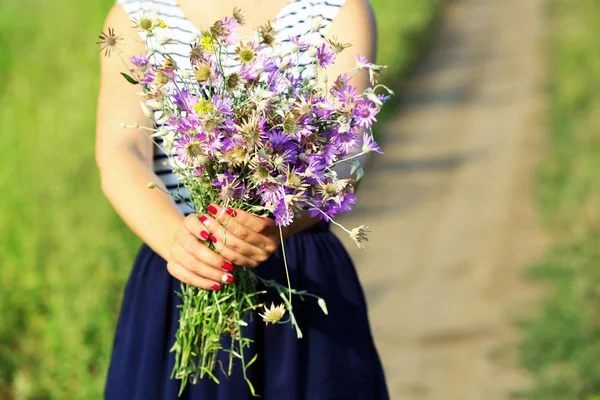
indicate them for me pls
(64, 253)
(561, 347)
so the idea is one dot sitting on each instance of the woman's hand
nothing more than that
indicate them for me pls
(193, 262)
(243, 238)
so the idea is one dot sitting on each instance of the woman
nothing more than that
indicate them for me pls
(336, 359)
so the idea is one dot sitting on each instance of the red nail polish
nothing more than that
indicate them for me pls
(213, 239)
(227, 278)
(216, 286)
(231, 212)
(227, 266)
(203, 218)
(212, 209)
(205, 235)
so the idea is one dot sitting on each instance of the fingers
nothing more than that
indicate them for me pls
(185, 275)
(232, 247)
(196, 230)
(198, 267)
(249, 221)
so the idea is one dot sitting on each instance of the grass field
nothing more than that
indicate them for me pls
(64, 253)
(562, 343)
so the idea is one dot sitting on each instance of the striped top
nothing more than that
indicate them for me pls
(294, 20)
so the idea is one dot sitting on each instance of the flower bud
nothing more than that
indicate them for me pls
(151, 185)
(146, 110)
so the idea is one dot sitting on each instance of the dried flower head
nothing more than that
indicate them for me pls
(267, 34)
(109, 42)
(203, 72)
(359, 235)
(273, 314)
(169, 64)
(196, 54)
(238, 14)
(233, 80)
(337, 45)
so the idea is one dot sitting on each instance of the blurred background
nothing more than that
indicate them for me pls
(482, 270)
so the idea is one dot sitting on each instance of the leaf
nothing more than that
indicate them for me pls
(355, 167)
(252, 361)
(359, 174)
(129, 79)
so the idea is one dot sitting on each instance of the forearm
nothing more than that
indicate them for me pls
(151, 214)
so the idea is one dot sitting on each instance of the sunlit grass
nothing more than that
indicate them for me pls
(64, 253)
(562, 343)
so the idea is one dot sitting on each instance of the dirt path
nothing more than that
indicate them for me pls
(451, 208)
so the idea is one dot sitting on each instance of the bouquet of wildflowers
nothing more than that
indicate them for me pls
(262, 136)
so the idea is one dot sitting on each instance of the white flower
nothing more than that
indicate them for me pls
(312, 51)
(359, 235)
(273, 314)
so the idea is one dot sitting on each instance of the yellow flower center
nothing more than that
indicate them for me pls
(246, 55)
(207, 43)
(146, 24)
(203, 107)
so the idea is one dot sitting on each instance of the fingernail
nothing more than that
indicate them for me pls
(213, 239)
(212, 209)
(227, 266)
(216, 286)
(205, 235)
(231, 212)
(226, 278)
(203, 218)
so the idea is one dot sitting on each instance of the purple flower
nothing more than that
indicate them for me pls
(267, 64)
(271, 193)
(340, 83)
(295, 40)
(283, 145)
(283, 214)
(364, 113)
(231, 187)
(325, 55)
(212, 142)
(188, 149)
(230, 28)
(248, 72)
(224, 105)
(140, 61)
(369, 144)
(345, 141)
(185, 100)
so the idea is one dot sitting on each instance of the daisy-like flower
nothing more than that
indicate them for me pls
(246, 53)
(364, 113)
(271, 192)
(325, 55)
(109, 42)
(189, 150)
(273, 314)
(369, 144)
(146, 21)
(225, 30)
(359, 235)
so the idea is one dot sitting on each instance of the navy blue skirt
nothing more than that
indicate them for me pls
(336, 358)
